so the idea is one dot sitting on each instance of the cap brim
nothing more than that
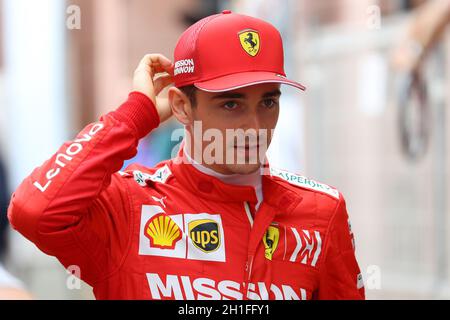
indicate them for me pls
(244, 79)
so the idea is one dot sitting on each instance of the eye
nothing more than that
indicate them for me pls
(269, 103)
(230, 105)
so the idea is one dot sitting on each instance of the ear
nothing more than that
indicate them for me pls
(181, 106)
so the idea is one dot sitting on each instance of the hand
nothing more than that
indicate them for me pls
(407, 56)
(422, 31)
(154, 73)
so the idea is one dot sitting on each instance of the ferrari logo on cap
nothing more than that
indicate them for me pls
(250, 41)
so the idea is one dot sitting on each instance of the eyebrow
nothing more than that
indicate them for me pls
(274, 93)
(235, 95)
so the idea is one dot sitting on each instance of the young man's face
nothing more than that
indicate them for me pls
(245, 119)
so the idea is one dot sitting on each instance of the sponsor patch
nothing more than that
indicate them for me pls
(162, 231)
(352, 236)
(185, 236)
(270, 240)
(161, 175)
(204, 234)
(292, 244)
(304, 182)
(156, 243)
(184, 287)
(207, 241)
(250, 41)
(184, 66)
(359, 281)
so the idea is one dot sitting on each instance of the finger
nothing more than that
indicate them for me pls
(158, 68)
(151, 58)
(154, 63)
(170, 70)
(160, 59)
(161, 82)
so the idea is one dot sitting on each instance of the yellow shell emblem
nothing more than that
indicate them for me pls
(250, 41)
(270, 241)
(163, 232)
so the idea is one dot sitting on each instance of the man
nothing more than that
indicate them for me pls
(192, 228)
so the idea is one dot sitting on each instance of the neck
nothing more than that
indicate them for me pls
(194, 153)
(252, 179)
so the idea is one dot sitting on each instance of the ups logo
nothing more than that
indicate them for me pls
(205, 234)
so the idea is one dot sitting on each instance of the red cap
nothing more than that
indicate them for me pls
(227, 51)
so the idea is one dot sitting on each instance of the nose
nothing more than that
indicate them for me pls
(253, 120)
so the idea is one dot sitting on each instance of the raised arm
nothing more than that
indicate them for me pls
(70, 204)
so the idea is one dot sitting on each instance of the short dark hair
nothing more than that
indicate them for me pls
(190, 91)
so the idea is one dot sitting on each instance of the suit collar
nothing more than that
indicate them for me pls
(275, 193)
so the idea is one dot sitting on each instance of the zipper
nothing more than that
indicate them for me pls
(248, 275)
(248, 213)
(250, 256)
(259, 224)
(263, 218)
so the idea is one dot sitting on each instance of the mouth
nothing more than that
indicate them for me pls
(247, 147)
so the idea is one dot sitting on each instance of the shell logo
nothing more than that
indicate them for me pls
(163, 232)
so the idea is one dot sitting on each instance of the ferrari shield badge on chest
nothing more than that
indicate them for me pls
(250, 41)
(270, 241)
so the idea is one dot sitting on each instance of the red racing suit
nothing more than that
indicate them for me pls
(173, 232)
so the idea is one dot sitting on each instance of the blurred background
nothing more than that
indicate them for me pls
(374, 121)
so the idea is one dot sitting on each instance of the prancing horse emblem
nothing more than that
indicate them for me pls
(250, 41)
